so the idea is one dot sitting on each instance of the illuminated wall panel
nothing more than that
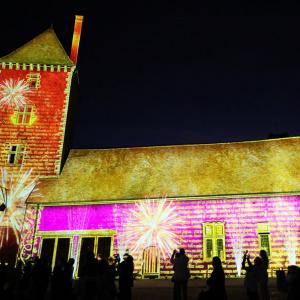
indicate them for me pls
(29, 244)
(42, 138)
(240, 216)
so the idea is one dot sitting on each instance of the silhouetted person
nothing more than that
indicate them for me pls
(125, 270)
(128, 255)
(9, 281)
(18, 278)
(27, 279)
(3, 275)
(181, 274)
(88, 277)
(117, 258)
(68, 277)
(250, 278)
(109, 279)
(293, 283)
(58, 288)
(40, 278)
(259, 276)
(263, 284)
(102, 266)
(216, 282)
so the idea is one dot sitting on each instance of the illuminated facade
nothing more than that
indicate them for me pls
(32, 132)
(35, 89)
(217, 199)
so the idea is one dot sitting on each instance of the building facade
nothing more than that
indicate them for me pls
(213, 200)
(35, 97)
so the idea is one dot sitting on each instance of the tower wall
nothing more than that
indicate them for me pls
(43, 136)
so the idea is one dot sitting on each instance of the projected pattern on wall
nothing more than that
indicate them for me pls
(259, 167)
(99, 198)
(116, 182)
(247, 213)
(32, 126)
(35, 82)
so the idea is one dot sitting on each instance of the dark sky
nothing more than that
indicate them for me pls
(172, 73)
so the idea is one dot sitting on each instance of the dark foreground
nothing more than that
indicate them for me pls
(160, 289)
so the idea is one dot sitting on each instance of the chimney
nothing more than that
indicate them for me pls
(76, 38)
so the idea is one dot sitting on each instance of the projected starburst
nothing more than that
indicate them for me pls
(18, 186)
(13, 93)
(152, 224)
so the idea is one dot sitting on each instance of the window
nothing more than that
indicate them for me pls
(88, 244)
(55, 250)
(33, 80)
(16, 154)
(24, 115)
(213, 241)
(55, 247)
(264, 237)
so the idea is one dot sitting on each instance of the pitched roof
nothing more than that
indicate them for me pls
(43, 49)
(268, 166)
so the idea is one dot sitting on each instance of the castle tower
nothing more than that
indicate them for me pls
(37, 84)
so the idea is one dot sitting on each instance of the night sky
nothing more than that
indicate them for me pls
(168, 73)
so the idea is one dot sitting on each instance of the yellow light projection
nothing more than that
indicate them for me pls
(260, 167)
(24, 116)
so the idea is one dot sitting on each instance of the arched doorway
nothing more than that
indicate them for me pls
(151, 262)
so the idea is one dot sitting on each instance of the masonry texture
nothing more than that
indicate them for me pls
(241, 217)
(43, 139)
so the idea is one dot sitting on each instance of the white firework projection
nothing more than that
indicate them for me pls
(291, 242)
(121, 238)
(152, 224)
(237, 237)
(289, 233)
(237, 247)
(18, 187)
(77, 219)
(13, 93)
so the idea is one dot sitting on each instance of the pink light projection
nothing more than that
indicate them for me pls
(236, 213)
(95, 216)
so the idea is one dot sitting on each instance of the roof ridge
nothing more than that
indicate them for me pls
(266, 140)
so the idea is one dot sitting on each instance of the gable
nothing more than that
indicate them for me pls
(43, 49)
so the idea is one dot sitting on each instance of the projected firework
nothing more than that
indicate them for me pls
(237, 248)
(18, 186)
(13, 93)
(152, 224)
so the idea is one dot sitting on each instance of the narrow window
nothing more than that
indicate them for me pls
(264, 237)
(55, 250)
(209, 248)
(16, 154)
(33, 80)
(213, 240)
(220, 248)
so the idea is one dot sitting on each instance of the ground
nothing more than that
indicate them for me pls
(160, 289)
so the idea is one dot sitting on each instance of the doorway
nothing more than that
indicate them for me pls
(55, 250)
(96, 245)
